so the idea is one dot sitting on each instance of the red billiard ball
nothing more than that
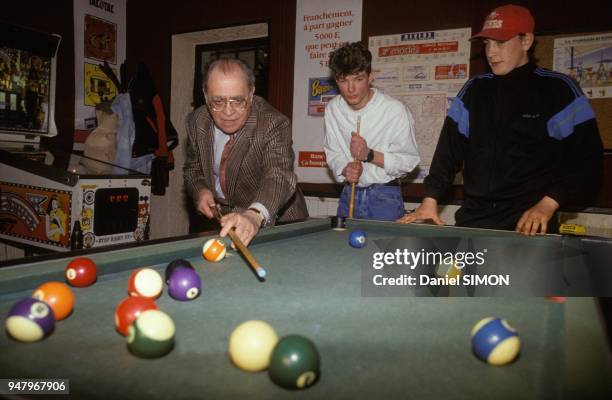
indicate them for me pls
(81, 272)
(129, 309)
(145, 282)
(58, 296)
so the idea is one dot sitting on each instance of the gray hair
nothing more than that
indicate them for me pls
(227, 65)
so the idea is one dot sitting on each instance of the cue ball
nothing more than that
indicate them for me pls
(151, 335)
(129, 309)
(251, 344)
(495, 342)
(213, 250)
(357, 239)
(145, 282)
(81, 272)
(184, 284)
(30, 320)
(295, 363)
(58, 296)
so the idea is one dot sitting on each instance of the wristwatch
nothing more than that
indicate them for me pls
(370, 156)
(262, 220)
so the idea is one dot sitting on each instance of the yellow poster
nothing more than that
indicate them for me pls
(98, 87)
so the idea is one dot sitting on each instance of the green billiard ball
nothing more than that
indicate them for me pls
(295, 363)
(151, 335)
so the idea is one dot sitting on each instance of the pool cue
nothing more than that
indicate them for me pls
(352, 201)
(261, 273)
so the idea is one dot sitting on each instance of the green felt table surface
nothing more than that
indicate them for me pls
(371, 347)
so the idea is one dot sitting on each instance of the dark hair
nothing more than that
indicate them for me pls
(349, 59)
(227, 65)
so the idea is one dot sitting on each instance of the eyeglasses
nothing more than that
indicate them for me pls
(236, 104)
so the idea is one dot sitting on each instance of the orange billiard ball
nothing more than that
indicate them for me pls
(58, 296)
(214, 250)
(81, 272)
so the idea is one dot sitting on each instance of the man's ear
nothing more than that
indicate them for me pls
(527, 41)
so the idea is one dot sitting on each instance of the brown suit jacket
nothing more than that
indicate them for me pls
(259, 167)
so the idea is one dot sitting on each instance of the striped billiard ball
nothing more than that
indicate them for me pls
(151, 335)
(495, 342)
(145, 282)
(30, 320)
(213, 250)
(295, 363)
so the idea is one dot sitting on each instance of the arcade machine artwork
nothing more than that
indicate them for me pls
(82, 212)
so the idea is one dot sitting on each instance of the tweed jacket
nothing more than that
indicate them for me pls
(259, 167)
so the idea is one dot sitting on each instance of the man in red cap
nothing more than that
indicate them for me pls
(525, 137)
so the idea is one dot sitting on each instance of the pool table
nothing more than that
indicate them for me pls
(370, 346)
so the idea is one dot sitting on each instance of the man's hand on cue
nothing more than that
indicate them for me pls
(247, 225)
(205, 203)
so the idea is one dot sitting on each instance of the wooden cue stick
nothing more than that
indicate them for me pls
(243, 249)
(352, 201)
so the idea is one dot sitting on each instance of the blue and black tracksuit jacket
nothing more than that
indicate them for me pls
(517, 137)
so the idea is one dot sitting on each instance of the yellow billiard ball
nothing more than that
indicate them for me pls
(251, 345)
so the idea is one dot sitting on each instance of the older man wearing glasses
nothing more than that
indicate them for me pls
(239, 155)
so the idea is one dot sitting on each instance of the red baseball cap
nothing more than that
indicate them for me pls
(506, 22)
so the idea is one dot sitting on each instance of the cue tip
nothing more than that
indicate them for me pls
(261, 273)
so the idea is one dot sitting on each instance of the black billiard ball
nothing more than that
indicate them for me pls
(176, 264)
(295, 363)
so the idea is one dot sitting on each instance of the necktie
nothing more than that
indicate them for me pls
(227, 149)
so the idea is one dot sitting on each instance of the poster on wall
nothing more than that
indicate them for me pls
(99, 36)
(321, 27)
(425, 71)
(587, 59)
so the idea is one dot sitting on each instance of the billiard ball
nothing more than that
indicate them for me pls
(30, 320)
(495, 342)
(145, 282)
(251, 344)
(58, 296)
(129, 309)
(357, 239)
(81, 272)
(295, 363)
(151, 335)
(184, 284)
(213, 250)
(176, 264)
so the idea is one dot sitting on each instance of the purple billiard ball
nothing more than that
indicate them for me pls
(30, 320)
(184, 284)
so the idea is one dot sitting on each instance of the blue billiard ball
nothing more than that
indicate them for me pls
(495, 342)
(357, 239)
